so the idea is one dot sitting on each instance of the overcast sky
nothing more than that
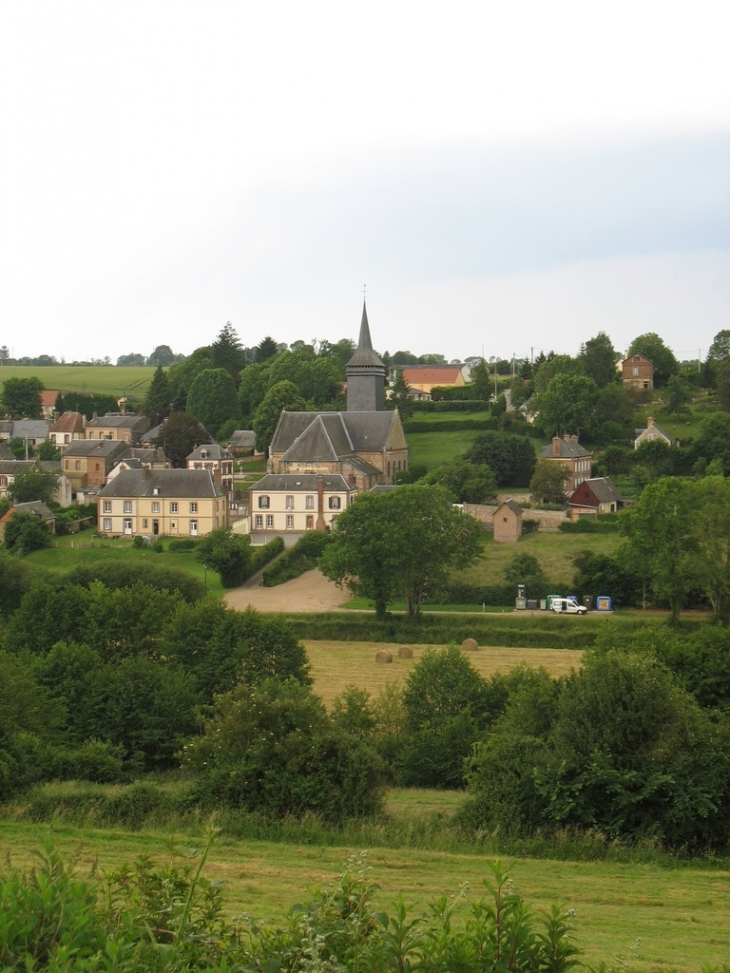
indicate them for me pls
(502, 176)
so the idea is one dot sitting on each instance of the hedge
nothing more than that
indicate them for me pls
(301, 557)
(605, 524)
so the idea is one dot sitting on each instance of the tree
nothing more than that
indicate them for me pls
(548, 481)
(179, 436)
(4, 354)
(26, 532)
(227, 352)
(651, 346)
(568, 405)
(599, 359)
(467, 482)
(660, 529)
(283, 395)
(525, 569)
(402, 541)
(723, 385)
(710, 564)
(21, 397)
(48, 451)
(713, 441)
(678, 394)
(266, 349)
(158, 395)
(399, 398)
(720, 347)
(132, 360)
(212, 398)
(512, 458)
(31, 484)
(181, 375)
(227, 553)
(162, 355)
(317, 379)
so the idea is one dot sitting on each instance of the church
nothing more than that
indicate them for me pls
(319, 461)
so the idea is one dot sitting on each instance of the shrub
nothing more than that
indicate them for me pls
(181, 545)
(303, 556)
(604, 524)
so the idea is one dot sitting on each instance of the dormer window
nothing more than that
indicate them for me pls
(155, 491)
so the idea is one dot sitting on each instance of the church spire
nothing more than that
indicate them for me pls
(365, 374)
(364, 354)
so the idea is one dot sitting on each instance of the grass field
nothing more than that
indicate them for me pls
(61, 557)
(106, 379)
(336, 665)
(431, 449)
(554, 551)
(680, 915)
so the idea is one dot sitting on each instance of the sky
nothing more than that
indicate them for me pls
(502, 178)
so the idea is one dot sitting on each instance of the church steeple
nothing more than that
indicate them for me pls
(365, 374)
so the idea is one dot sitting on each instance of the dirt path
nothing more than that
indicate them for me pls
(310, 593)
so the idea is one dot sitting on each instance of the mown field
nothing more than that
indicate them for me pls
(336, 665)
(106, 379)
(679, 916)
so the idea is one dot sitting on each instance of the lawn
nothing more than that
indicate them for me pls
(104, 379)
(336, 665)
(555, 552)
(431, 449)
(62, 557)
(680, 915)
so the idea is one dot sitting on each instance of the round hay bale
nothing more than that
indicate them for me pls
(405, 652)
(470, 645)
(384, 656)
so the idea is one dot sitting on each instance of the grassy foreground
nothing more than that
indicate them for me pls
(679, 915)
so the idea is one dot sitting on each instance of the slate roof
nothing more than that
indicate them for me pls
(213, 450)
(116, 421)
(642, 433)
(95, 447)
(513, 506)
(301, 483)
(68, 422)
(153, 433)
(6, 427)
(364, 354)
(32, 428)
(385, 487)
(330, 435)
(173, 484)
(242, 439)
(9, 467)
(604, 489)
(34, 507)
(568, 450)
(357, 463)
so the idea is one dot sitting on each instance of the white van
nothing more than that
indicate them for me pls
(568, 606)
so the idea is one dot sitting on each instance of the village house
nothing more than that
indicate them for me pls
(68, 427)
(651, 434)
(218, 460)
(35, 507)
(151, 503)
(88, 462)
(365, 444)
(637, 372)
(117, 425)
(10, 468)
(423, 378)
(31, 431)
(576, 459)
(139, 458)
(597, 495)
(48, 403)
(242, 442)
(290, 504)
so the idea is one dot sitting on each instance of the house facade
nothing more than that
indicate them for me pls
(423, 378)
(218, 460)
(10, 468)
(69, 427)
(48, 403)
(290, 504)
(88, 462)
(576, 459)
(651, 434)
(152, 503)
(637, 372)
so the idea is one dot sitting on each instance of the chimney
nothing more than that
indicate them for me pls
(320, 502)
(649, 421)
(573, 439)
(145, 472)
(556, 445)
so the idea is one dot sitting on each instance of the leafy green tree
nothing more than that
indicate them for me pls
(546, 368)
(660, 529)
(282, 395)
(227, 553)
(548, 481)
(405, 540)
(21, 397)
(656, 456)
(466, 482)
(599, 360)
(512, 458)
(525, 569)
(615, 404)
(16, 578)
(26, 532)
(483, 382)
(568, 405)
(33, 483)
(48, 451)
(317, 379)
(723, 385)
(710, 563)
(400, 399)
(181, 375)
(212, 398)
(179, 436)
(158, 395)
(255, 383)
(273, 749)
(720, 347)
(662, 358)
(162, 356)
(227, 352)
(713, 441)
(678, 394)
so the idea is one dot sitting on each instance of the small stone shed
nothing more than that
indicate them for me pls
(507, 522)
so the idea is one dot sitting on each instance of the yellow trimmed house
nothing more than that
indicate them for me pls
(150, 503)
(290, 504)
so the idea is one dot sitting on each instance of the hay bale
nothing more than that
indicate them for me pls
(470, 645)
(405, 652)
(384, 656)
